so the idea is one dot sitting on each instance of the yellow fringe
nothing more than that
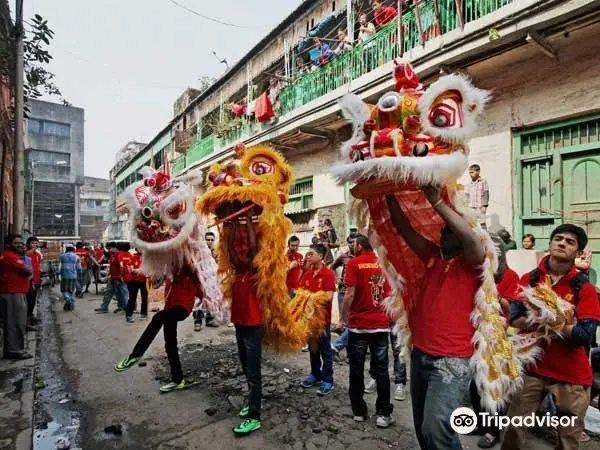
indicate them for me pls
(309, 312)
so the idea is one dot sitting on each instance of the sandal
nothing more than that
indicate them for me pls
(487, 441)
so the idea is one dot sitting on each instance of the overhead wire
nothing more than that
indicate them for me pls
(212, 19)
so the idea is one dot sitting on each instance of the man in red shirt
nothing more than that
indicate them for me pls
(116, 285)
(564, 369)
(81, 275)
(383, 14)
(246, 315)
(320, 278)
(181, 292)
(294, 271)
(136, 281)
(14, 284)
(36, 257)
(368, 326)
(440, 320)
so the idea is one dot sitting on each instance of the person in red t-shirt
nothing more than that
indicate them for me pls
(181, 291)
(320, 278)
(116, 285)
(294, 271)
(440, 319)
(383, 14)
(564, 370)
(136, 281)
(83, 273)
(36, 257)
(14, 284)
(368, 326)
(507, 283)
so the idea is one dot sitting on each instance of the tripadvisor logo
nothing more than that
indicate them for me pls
(464, 420)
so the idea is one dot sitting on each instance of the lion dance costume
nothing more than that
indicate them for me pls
(410, 139)
(257, 180)
(169, 232)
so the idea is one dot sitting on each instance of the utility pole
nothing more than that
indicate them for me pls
(19, 164)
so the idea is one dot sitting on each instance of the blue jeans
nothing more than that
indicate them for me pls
(342, 341)
(115, 287)
(399, 366)
(324, 352)
(437, 388)
(357, 351)
(80, 280)
(249, 341)
(67, 288)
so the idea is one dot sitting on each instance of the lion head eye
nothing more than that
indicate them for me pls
(262, 168)
(444, 116)
(390, 101)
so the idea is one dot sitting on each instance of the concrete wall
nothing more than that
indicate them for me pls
(93, 220)
(529, 89)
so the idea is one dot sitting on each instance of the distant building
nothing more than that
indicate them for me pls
(54, 168)
(93, 210)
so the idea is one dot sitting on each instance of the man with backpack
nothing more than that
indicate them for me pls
(564, 369)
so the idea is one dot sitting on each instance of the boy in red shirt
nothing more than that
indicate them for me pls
(14, 284)
(116, 285)
(181, 292)
(294, 272)
(440, 320)
(36, 257)
(320, 278)
(136, 281)
(368, 326)
(383, 14)
(564, 369)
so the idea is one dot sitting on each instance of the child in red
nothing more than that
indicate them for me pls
(320, 278)
(181, 291)
(136, 282)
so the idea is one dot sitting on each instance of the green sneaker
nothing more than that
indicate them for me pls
(247, 427)
(125, 364)
(244, 411)
(172, 387)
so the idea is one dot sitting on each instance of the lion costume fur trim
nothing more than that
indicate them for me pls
(309, 311)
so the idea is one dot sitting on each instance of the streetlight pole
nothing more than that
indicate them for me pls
(19, 167)
(32, 196)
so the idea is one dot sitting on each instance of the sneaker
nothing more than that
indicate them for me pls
(384, 421)
(371, 386)
(198, 326)
(231, 325)
(360, 418)
(309, 381)
(172, 386)
(212, 324)
(305, 348)
(247, 427)
(400, 393)
(101, 310)
(118, 310)
(244, 411)
(125, 364)
(143, 316)
(130, 319)
(325, 389)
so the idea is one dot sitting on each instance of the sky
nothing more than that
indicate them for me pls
(126, 61)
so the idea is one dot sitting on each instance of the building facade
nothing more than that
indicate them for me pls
(6, 130)
(539, 138)
(93, 210)
(54, 168)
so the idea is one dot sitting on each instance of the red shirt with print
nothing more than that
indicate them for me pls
(83, 257)
(36, 265)
(385, 15)
(99, 254)
(294, 275)
(321, 280)
(246, 308)
(182, 290)
(371, 287)
(11, 279)
(134, 263)
(562, 360)
(115, 269)
(441, 317)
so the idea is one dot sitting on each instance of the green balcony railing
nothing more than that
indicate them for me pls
(177, 165)
(200, 149)
(246, 128)
(383, 48)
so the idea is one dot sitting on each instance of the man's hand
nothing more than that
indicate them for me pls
(293, 264)
(337, 327)
(433, 193)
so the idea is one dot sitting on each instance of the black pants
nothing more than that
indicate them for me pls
(249, 342)
(476, 402)
(378, 344)
(199, 316)
(167, 319)
(134, 287)
(32, 298)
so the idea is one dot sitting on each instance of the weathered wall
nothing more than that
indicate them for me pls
(529, 89)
